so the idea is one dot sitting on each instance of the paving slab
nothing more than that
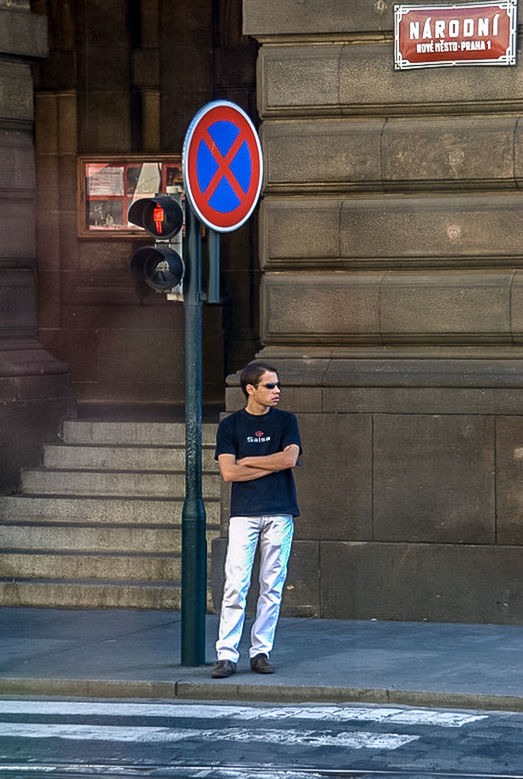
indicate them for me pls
(136, 654)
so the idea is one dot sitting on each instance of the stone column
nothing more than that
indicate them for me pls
(34, 391)
(391, 234)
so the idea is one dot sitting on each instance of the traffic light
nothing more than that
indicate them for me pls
(161, 265)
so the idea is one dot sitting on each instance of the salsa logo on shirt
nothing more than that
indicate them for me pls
(258, 438)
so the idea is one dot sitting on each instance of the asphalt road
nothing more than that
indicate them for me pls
(87, 738)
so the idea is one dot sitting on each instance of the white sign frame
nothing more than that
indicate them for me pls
(508, 59)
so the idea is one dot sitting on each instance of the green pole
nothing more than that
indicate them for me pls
(194, 546)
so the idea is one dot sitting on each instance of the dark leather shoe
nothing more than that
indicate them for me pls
(223, 669)
(260, 664)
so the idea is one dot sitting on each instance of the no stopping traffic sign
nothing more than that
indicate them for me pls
(222, 166)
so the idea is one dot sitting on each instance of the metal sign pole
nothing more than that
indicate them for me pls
(207, 163)
(194, 546)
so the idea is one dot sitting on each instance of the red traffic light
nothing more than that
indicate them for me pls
(161, 216)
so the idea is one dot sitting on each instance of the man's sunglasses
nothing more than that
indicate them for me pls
(272, 385)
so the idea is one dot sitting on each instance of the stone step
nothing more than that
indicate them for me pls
(85, 594)
(17, 564)
(40, 481)
(112, 511)
(75, 431)
(122, 458)
(62, 538)
(99, 526)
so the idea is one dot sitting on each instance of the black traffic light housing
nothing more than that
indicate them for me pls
(161, 265)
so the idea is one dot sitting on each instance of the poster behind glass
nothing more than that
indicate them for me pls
(109, 186)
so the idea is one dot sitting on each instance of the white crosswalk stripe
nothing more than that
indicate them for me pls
(149, 735)
(446, 719)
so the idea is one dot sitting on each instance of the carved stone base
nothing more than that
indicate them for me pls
(411, 487)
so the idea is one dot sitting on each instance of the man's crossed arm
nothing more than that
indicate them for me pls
(250, 468)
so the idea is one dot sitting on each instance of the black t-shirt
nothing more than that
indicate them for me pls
(250, 435)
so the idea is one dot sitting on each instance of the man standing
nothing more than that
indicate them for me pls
(256, 448)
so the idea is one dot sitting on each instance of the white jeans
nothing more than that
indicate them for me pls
(275, 536)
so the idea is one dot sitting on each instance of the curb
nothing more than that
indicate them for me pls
(110, 688)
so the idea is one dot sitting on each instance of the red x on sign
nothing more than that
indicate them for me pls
(222, 166)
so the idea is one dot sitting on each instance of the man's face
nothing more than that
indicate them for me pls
(268, 396)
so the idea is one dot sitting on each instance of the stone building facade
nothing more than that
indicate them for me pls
(386, 249)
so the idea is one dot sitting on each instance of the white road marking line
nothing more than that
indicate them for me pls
(184, 772)
(230, 772)
(151, 735)
(446, 719)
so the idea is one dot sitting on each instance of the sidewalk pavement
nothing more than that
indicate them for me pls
(136, 654)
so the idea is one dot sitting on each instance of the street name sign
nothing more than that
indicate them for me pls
(429, 36)
(222, 166)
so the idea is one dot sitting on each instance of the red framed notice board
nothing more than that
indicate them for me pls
(431, 36)
(108, 185)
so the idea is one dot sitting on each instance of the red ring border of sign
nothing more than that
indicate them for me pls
(221, 110)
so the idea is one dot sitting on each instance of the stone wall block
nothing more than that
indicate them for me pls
(290, 78)
(16, 91)
(446, 306)
(421, 400)
(465, 151)
(287, 17)
(509, 479)
(22, 34)
(421, 231)
(336, 78)
(338, 151)
(17, 234)
(105, 258)
(379, 154)
(17, 162)
(457, 227)
(313, 308)
(334, 480)
(490, 368)
(16, 303)
(102, 289)
(292, 232)
(395, 307)
(439, 582)
(434, 478)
